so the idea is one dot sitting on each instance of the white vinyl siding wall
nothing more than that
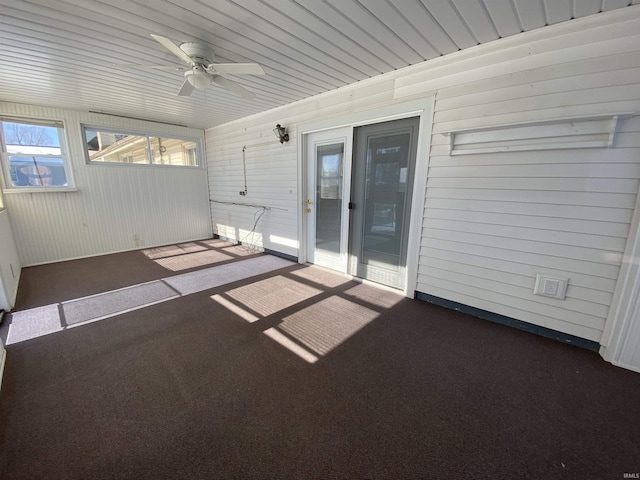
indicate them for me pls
(116, 207)
(491, 221)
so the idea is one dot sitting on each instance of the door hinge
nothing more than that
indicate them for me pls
(351, 205)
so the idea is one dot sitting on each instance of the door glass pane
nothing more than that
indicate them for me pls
(385, 199)
(329, 160)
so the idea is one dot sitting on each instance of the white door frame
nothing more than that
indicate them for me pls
(422, 108)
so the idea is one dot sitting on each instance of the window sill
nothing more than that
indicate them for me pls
(11, 191)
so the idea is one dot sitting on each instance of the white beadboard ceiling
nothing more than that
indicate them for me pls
(62, 53)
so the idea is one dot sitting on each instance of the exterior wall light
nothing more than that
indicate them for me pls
(281, 133)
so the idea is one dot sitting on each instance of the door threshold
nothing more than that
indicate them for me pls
(364, 281)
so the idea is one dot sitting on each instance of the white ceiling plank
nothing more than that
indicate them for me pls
(231, 32)
(353, 32)
(477, 19)
(39, 51)
(558, 11)
(530, 13)
(399, 25)
(429, 28)
(99, 32)
(379, 32)
(274, 66)
(120, 86)
(503, 17)
(334, 40)
(582, 8)
(451, 23)
(613, 4)
(280, 29)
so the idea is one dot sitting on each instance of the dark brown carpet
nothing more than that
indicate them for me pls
(187, 389)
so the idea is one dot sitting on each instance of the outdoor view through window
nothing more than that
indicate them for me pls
(32, 155)
(121, 147)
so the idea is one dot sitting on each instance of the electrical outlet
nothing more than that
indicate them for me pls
(242, 192)
(550, 286)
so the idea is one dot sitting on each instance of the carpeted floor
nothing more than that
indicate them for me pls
(297, 373)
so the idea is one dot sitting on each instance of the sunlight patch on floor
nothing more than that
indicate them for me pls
(192, 260)
(289, 344)
(375, 296)
(266, 297)
(172, 250)
(36, 322)
(321, 277)
(320, 328)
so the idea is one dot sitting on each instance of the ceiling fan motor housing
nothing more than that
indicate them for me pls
(200, 54)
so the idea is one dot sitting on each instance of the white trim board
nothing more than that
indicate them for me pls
(3, 360)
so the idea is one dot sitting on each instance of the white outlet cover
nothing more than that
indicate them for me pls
(553, 287)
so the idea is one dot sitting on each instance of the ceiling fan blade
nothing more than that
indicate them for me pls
(186, 89)
(236, 68)
(233, 86)
(173, 48)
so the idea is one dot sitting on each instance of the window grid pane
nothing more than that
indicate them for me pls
(114, 147)
(33, 153)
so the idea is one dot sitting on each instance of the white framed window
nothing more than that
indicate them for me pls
(107, 146)
(34, 155)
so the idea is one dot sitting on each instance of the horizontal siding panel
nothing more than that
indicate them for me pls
(572, 310)
(526, 281)
(603, 156)
(575, 170)
(569, 252)
(630, 140)
(542, 261)
(540, 102)
(588, 82)
(602, 242)
(616, 215)
(459, 256)
(538, 115)
(482, 299)
(604, 185)
(528, 221)
(613, 200)
(572, 69)
(508, 61)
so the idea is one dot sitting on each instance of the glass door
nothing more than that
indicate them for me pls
(326, 204)
(384, 164)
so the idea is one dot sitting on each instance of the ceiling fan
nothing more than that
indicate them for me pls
(202, 71)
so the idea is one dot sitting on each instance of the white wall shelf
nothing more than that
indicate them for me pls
(564, 133)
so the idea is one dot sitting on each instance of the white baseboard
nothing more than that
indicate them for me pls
(633, 368)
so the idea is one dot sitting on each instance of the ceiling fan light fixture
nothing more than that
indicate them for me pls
(198, 78)
(281, 133)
